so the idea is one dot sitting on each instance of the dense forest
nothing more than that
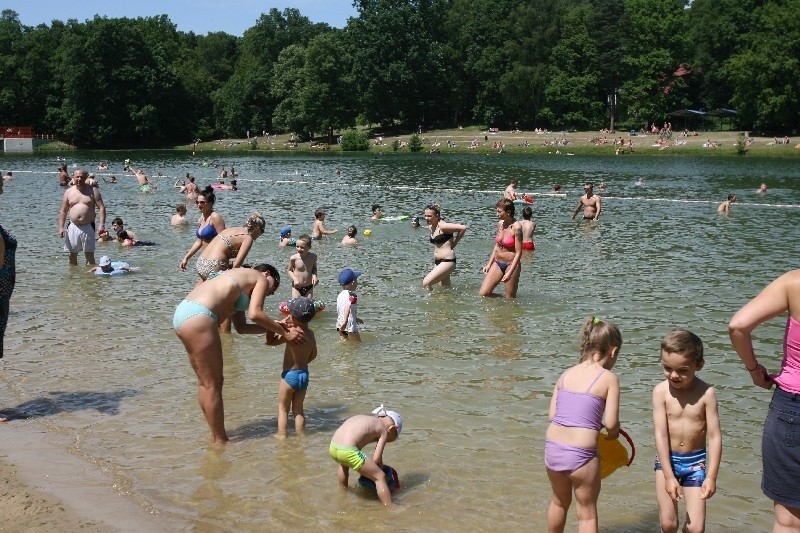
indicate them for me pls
(556, 64)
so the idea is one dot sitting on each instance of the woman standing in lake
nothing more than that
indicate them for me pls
(8, 277)
(504, 265)
(209, 225)
(444, 237)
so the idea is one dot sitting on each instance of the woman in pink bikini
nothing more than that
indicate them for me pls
(780, 440)
(504, 265)
(585, 399)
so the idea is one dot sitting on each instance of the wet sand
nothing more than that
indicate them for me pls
(43, 488)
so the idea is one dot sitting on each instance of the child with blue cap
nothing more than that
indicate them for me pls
(286, 237)
(347, 320)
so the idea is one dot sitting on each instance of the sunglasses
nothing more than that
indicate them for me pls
(201, 202)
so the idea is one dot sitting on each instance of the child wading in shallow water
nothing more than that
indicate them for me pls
(684, 414)
(294, 378)
(585, 399)
(355, 433)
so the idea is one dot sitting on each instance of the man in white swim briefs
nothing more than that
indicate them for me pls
(80, 202)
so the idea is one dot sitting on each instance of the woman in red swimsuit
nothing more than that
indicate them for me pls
(504, 265)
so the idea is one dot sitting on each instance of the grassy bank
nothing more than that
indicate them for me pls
(474, 140)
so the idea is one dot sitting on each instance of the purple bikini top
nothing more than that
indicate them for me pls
(579, 409)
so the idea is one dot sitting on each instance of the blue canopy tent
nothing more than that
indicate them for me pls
(721, 114)
(697, 116)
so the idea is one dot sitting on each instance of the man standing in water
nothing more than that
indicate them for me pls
(511, 191)
(590, 203)
(80, 201)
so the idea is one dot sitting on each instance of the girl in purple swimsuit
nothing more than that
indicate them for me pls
(585, 399)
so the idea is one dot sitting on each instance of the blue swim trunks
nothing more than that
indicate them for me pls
(689, 467)
(296, 379)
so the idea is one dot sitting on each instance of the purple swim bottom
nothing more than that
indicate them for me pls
(560, 457)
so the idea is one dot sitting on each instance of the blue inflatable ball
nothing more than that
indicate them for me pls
(391, 479)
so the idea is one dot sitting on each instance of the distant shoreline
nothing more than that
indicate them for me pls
(475, 141)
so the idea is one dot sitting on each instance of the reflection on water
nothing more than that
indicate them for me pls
(95, 357)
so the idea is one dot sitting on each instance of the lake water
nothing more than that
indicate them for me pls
(94, 360)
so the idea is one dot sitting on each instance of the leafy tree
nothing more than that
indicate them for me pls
(717, 30)
(355, 141)
(313, 87)
(204, 66)
(535, 31)
(414, 143)
(11, 33)
(655, 83)
(398, 59)
(766, 76)
(478, 33)
(571, 93)
(245, 103)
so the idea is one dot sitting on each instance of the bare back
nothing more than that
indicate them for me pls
(297, 355)
(359, 431)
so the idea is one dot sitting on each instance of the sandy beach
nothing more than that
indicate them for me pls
(43, 488)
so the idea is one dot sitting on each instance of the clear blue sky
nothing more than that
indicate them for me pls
(199, 16)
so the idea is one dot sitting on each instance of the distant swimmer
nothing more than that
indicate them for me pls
(762, 189)
(589, 202)
(725, 207)
(640, 181)
(511, 191)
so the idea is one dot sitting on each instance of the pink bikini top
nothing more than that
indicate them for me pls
(579, 409)
(788, 378)
(508, 242)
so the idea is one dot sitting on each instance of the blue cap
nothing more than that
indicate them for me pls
(286, 230)
(348, 276)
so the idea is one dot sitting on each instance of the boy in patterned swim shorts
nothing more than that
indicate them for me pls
(355, 433)
(296, 356)
(685, 415)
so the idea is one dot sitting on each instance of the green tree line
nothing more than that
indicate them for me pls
(555, 64)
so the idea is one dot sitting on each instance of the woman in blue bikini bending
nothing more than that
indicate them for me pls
(504, 265)
(196, 322)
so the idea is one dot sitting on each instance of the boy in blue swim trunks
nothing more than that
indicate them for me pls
(294, 378)
(685, 416)
(355, 433)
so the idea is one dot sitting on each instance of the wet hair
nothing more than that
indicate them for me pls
(255, 221)
(436, 208)
(352, 231)
(269, 269)
(191, 178)
(180, 207)
(589, 184)
(731, 197)
(527, 213)
(117, 221)
(506, 205)
(375, 207)
(319, 213)
(598, 336)
(683, 342)
(305, 238)
(556, 187)
(208, 194)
